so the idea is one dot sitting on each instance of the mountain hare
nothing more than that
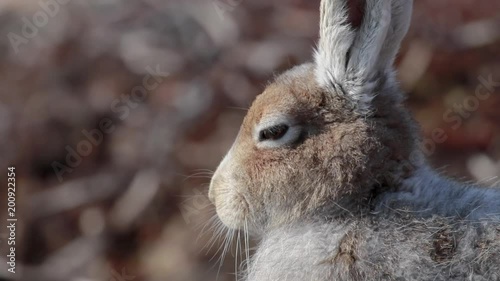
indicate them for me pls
(327, 170)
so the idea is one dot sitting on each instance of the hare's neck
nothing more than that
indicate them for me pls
(429, 193)
(302, 249)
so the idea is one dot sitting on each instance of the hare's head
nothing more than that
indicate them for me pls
(325, 136)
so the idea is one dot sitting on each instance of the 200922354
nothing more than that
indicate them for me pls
(11, 192)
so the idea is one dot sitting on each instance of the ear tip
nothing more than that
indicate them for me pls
(402, 6)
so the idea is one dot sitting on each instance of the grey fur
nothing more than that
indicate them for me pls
(429, 193)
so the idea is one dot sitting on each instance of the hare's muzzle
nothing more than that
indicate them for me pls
(226, 194)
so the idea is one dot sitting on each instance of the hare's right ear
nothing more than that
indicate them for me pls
(351, 58)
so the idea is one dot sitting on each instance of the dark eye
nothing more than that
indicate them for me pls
(273, 133)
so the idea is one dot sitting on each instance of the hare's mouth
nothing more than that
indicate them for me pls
(232, 210)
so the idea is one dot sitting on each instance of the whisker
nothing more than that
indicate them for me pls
(210, 222)
(236, 255)
(220, 233)
(227, 245)
(247, 246)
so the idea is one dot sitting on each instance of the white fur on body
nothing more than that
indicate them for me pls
(384, 249)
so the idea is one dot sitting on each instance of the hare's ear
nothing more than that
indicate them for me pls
(351, 58)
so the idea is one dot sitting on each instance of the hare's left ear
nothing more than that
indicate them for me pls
(351, 58)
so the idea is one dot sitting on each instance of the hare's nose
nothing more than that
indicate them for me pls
(211, 195)
(211, 192)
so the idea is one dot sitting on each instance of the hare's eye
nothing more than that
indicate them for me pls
(273, 133)
(277, 132)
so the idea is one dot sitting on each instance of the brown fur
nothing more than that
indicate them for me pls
(342, 157)
(444, 245)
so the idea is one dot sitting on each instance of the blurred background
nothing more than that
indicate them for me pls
(115, 112)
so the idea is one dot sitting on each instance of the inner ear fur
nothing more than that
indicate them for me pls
(358, 42)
